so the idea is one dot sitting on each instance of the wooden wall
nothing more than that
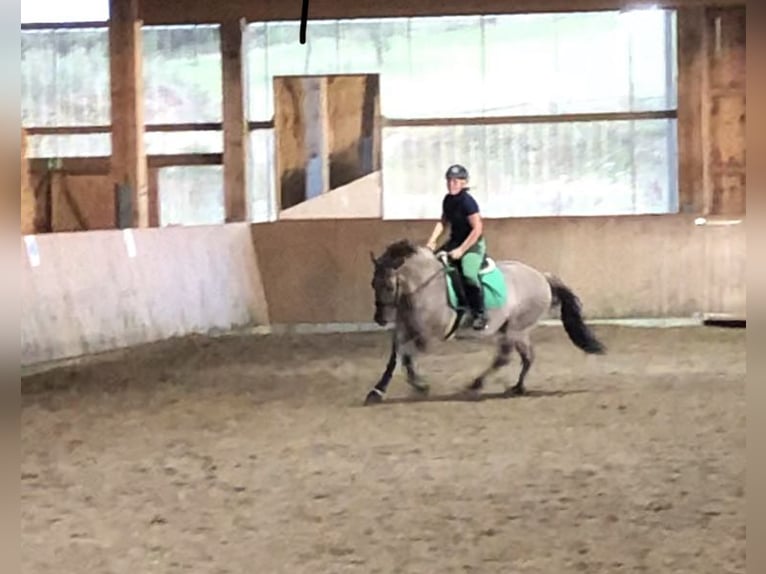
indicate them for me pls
(629, 266)
(81, 202)
(711, 110)
(78, 195)
(91, 292)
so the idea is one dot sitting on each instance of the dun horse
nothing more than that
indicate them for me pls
(420, 293)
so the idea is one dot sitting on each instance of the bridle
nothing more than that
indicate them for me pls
(442, 256)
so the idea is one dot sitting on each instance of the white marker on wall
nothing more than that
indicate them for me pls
(33, 250)
(130, 242)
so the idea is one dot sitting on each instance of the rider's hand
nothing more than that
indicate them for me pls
(431, 245)
(456, 253)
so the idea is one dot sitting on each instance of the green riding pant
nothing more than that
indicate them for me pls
(471, 262)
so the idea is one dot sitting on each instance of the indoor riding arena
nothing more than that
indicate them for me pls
(207, 200)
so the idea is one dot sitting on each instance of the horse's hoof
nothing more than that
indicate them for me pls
(514, 392)
(470, 393)
(476, 385)
(421, 391)
(420, 388)
(373, 398)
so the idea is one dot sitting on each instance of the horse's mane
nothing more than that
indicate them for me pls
(396, 253)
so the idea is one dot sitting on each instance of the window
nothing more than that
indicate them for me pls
(65, 84)
(191, 195)
(53, 65)
(576, 112)
(524, 170)
(557, 95)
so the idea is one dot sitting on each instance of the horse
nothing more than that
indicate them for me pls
(419, 292)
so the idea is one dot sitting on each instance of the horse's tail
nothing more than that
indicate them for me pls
(571, 316)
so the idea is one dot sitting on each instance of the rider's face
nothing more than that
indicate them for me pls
(454, 185)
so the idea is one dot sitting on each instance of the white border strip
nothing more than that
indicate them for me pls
(310, 328)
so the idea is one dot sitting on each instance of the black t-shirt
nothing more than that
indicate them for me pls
(455, 211)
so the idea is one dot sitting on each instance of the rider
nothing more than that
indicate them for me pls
(466, 245)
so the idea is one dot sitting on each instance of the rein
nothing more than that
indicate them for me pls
(458, 316)
(433, 276)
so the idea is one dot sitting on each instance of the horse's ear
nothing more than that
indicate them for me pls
(372, 258)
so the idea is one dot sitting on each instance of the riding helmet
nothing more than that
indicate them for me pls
(456, 171)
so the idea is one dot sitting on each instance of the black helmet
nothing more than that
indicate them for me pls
(456, 171)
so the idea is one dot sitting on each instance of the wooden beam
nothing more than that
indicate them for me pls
(195, 11)
(44, 212)
(531, 119)
(706, 182)
(64, 25)
(128, 166)
(100, 165)
(317, 138)
(185, 159)
(72, 165)
(28, 200)
(67, 130)
(692, 66)
(371, 131)
(94, 129)
(726, 91)
(234, 122)
(188, 127)
(154, 197)
(57, 196)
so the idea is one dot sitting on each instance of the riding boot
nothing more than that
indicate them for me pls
(475, 297)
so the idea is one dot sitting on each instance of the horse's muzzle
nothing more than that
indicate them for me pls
(381, 315)
(379, 318)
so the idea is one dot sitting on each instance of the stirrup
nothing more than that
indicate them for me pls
(479, 322)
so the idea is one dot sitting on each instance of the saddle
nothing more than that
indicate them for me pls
(492, 282)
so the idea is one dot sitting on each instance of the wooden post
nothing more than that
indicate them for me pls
(235, 131)
(711, 109)
(128, 160)
(57, 196)
(154, 197)
(28, 203)
(317, 129)
(691, 69)
(726, 89)
(371, 123)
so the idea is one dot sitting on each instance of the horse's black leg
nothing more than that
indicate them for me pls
(379, 390)
(415, 380)
(502, 358)
(527, 358)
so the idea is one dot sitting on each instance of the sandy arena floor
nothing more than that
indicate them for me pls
(239, 455)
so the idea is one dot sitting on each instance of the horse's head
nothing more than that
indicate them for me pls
(385, 286)
(387, 281)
